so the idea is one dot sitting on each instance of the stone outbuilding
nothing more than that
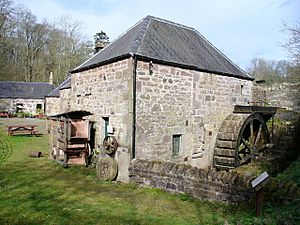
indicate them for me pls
(26, 97)
(58, 101)
(162, 90)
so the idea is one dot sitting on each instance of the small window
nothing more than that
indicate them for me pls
(39, 106)
(19, 107)
(176, 144)
(242, 89)
(106, 123)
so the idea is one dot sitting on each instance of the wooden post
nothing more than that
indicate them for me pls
(259, 203)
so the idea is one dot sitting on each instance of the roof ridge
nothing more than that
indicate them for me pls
(144, 31)
(170, 22)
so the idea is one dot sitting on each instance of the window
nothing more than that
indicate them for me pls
(242, 89)
(39, 106)
(19, 107)
(176, 144)
(106, 123)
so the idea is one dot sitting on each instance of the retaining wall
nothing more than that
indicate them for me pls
(200, 183)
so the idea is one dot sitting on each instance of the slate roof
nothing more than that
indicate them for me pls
(166, 42)
(27, 90)
(64, 85)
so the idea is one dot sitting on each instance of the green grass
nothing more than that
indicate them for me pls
(39, 191)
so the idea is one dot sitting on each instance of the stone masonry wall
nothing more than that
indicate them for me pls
(174, 101)
(29, 105)
(285, 95)
(52, 106)
(199, 183)
(105, 91)
(59, 105)
(65, 100)
(6, 104)
(164, 104)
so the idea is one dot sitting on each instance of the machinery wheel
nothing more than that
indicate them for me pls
(110, 145)
(241, 137)
(107, 169)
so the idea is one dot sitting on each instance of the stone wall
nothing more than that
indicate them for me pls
(65, 100)
(286, 95)
(59, 105)
(174, 101)
(106, 92)
(6, 104)
(199, 183)
(52, 106)
(29, 105)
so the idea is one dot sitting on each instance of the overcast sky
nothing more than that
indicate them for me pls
(241, 29)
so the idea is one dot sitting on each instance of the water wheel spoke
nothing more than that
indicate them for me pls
(245, 159)
(252, 135)
(247, 144)
(259, 135)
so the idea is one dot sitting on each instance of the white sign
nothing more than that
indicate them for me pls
(259, 180)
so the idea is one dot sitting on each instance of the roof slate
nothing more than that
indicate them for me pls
(64, 85)
(27, 90)
(167, 42)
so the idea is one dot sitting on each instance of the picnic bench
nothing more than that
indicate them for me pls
(22, 129)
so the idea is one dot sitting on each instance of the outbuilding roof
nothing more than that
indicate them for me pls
(64, 85)
(169, 43)
(27, 90)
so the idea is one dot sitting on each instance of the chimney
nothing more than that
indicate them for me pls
(100, 45)
(51, 79)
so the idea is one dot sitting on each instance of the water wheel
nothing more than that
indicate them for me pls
(110, 145)
(106, 169)
(241, 138)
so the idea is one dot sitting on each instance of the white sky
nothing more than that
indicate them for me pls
(241, 29)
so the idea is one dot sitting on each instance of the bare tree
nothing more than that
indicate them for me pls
(292, 42)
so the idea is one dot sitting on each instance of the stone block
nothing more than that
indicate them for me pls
(122, 156)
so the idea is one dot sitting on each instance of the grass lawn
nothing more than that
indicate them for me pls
(39, 191)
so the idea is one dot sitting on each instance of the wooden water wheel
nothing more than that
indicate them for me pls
(110, 145)
(241, 138)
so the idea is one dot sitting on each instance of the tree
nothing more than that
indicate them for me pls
(269, 70)
(292, 42)
(30, 50)
(66, 48)
(100, 40)
(292, 45)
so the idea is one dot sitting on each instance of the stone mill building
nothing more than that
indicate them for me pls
(162, 88)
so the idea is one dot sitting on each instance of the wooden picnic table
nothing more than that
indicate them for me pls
(22, 129)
